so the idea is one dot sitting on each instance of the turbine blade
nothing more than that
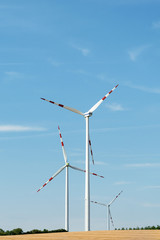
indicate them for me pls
(115, 198)
(100, 101)
(79, 169)
(75, 168)
(91, 150)
(111, 217)
(63, 106)
(63, 149)
(60, 170)
(99, 203)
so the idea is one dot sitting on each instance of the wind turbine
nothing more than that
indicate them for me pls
(110, 219)
(86, 115)
(67, 165)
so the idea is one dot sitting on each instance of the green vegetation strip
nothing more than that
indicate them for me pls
(19, 231)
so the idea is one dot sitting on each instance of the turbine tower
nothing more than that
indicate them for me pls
(86, 115)
(67, 165)
(109, 216)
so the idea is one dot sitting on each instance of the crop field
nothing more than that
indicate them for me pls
(92, 235)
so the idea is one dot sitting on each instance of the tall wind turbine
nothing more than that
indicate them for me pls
(67, 165)
(109, 216)
(86, 115)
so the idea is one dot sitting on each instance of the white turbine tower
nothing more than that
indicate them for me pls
(86, 115)
(109, 216)
(67, 165)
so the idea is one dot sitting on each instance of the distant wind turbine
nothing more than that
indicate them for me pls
(86, 115)
(67, 165)
(110, 219)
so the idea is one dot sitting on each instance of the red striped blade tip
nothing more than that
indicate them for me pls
(104, 98)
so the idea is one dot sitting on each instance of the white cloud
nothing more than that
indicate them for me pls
(127, 128)
(152, 187)
(156, 25)
(141, 165)
(122, 183)
(151, 205)
(54, 63)
(95, 162)
(75, 154)
(142, 88)
(10, 63)
(115, 107)
(2, 6)
(7, 7)
(131, 2)
(12, 74)
(103, 77)
(101, 163)
(39, 135)
(19, 128)
(84, 51)
(136, 52)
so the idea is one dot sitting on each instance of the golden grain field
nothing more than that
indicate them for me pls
(92, 235)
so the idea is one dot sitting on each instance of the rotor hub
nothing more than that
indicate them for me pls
(87, 114)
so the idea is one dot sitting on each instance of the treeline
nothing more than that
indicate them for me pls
(141, 228)
(19, 231)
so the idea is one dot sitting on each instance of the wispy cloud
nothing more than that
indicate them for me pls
(152, 187)
(136, 52)
(100, 76)
(13, 74)
(103, 77)
(54, 62)
(76, 152)
(10, 76)
(122, 183)
(10, 63)
(82, 72)
(84, 51)
(150, 205)
(142, 88)
(96, 162)
(114, 107)
(156, 25)
(19, 128)
(101, 163)
(125, 128)
(142, 165)
(131, 2)
(39, 135)
(9, 7)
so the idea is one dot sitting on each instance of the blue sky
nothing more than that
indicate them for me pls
(74, 52)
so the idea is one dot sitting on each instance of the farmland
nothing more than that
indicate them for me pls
(92, 235)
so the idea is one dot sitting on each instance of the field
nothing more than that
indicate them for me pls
(92, 235)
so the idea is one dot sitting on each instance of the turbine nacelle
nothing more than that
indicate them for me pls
(88, 114)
